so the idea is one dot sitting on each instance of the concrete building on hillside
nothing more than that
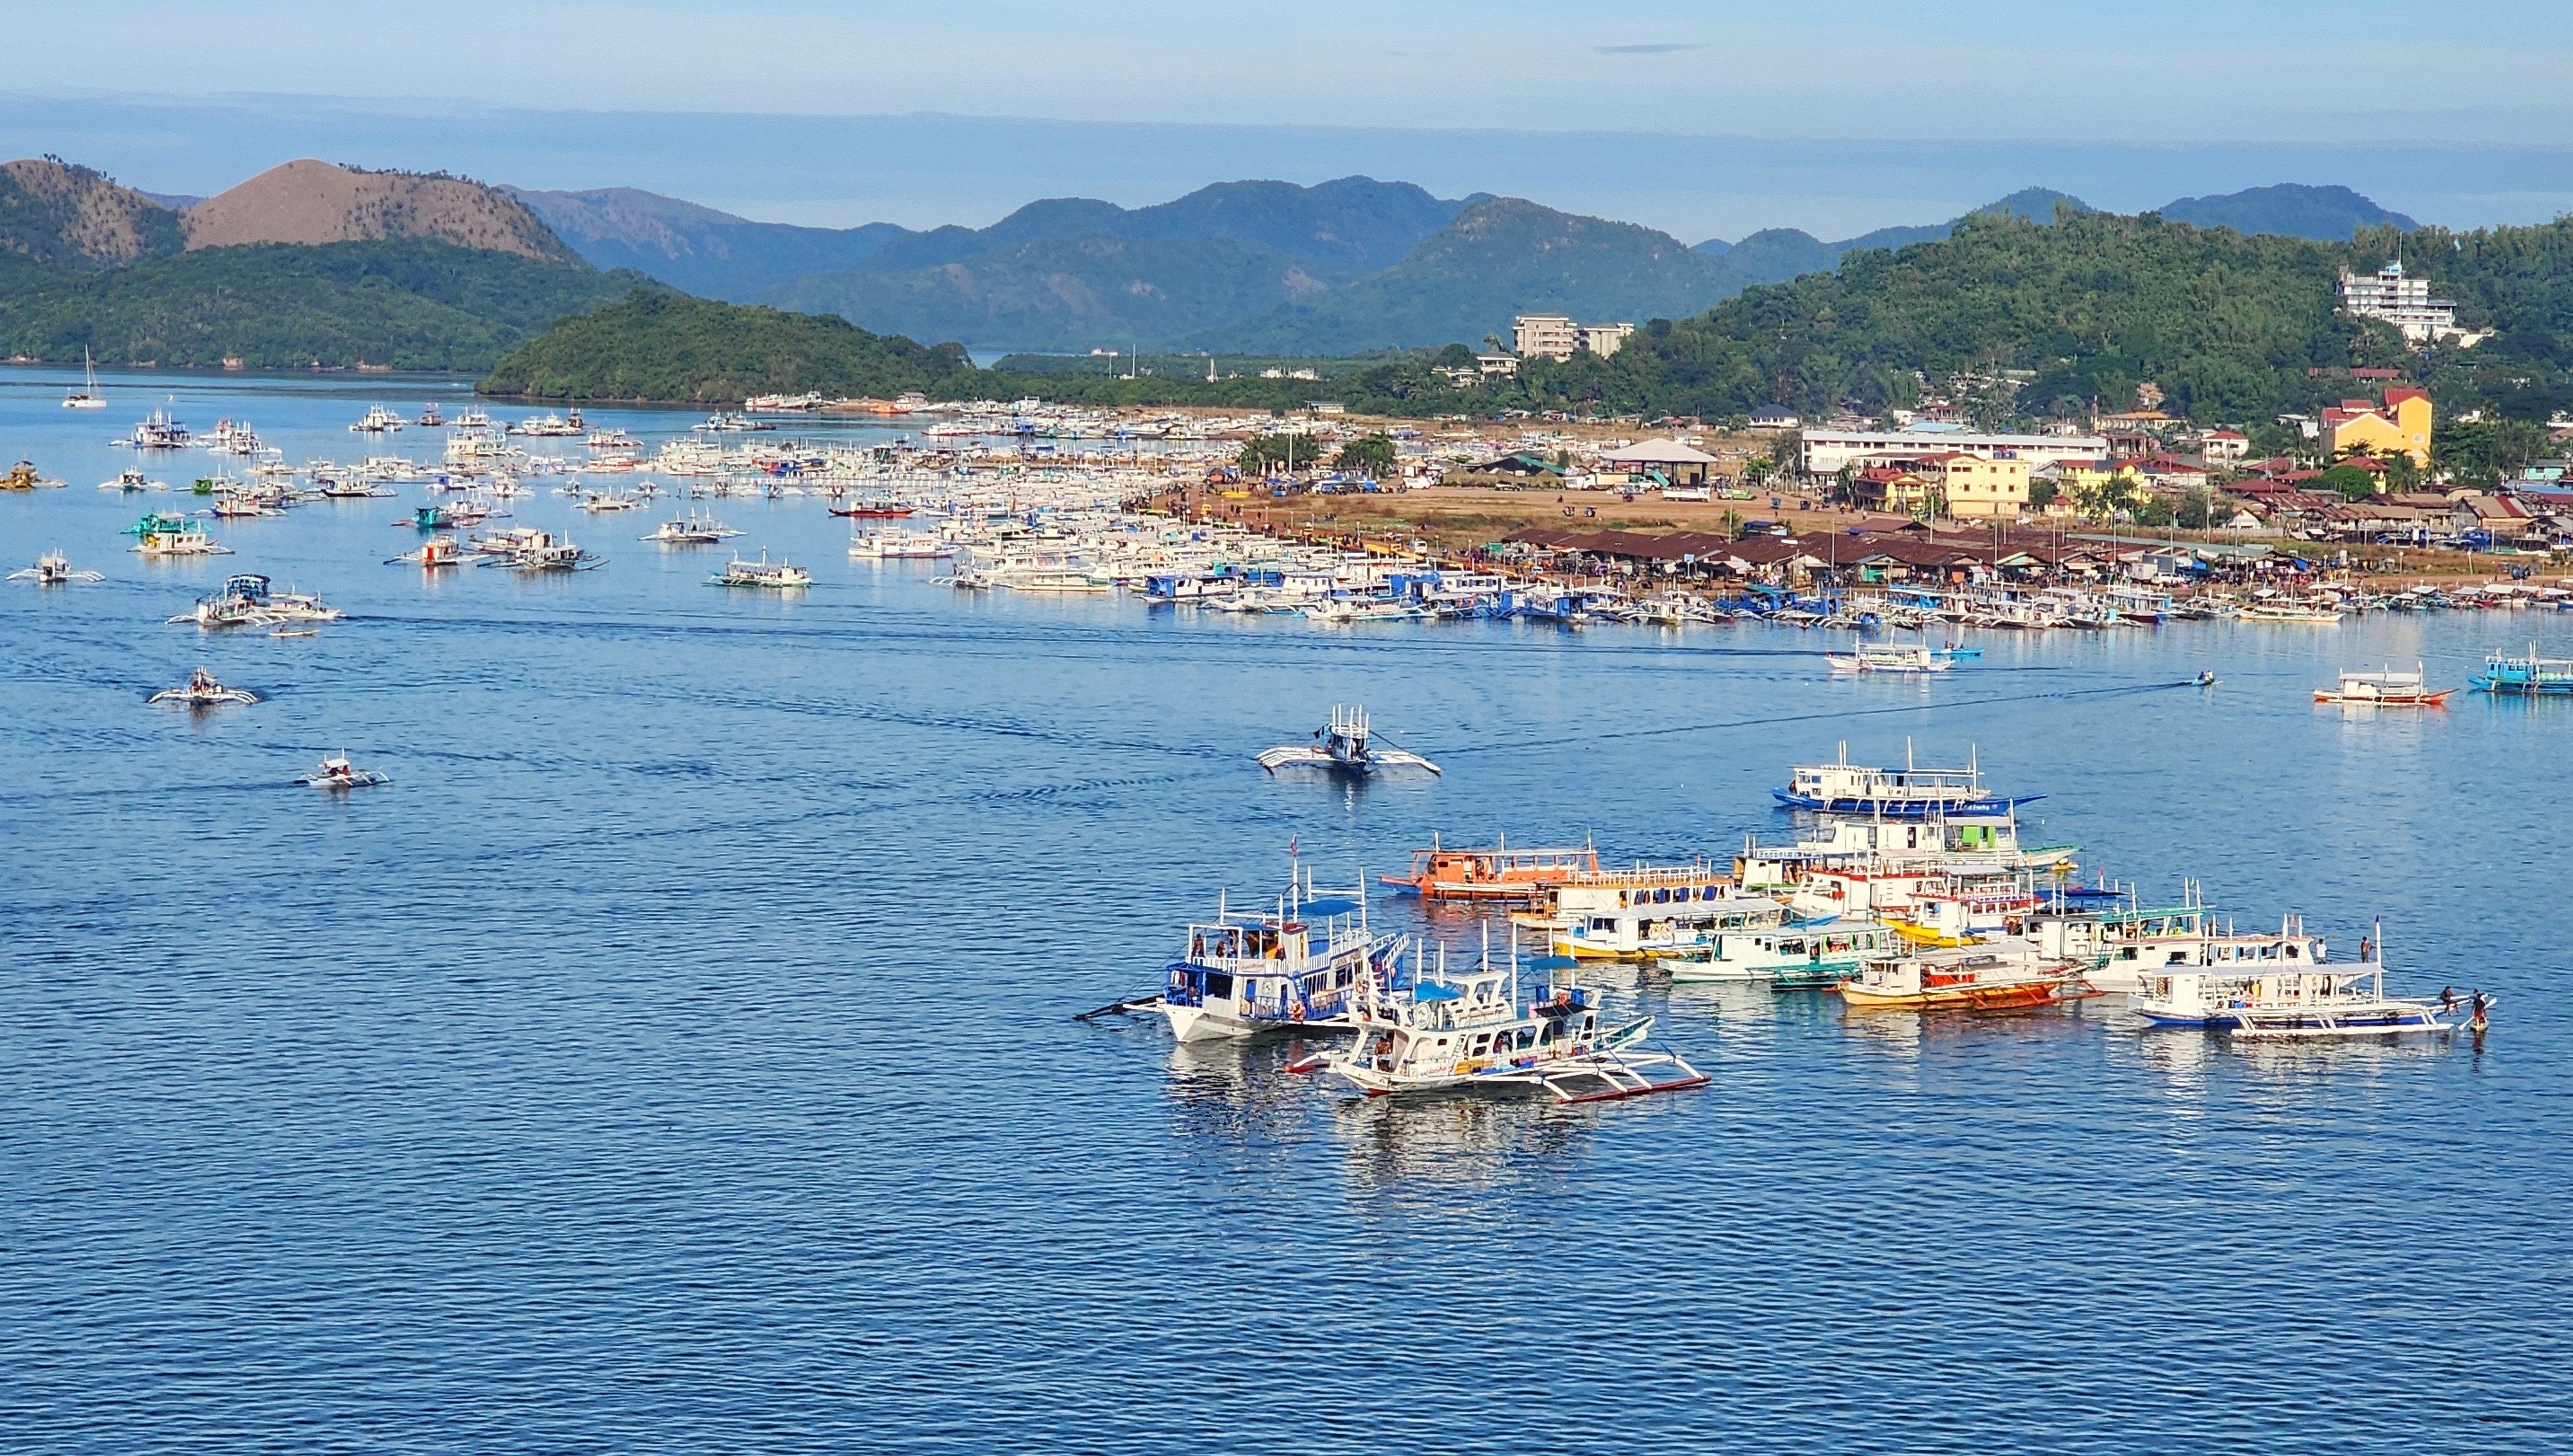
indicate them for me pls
(1556, 336)
(2405, 303)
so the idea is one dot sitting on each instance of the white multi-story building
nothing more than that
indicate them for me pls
(2404, 302)
(1556, 336)
(1826, 451)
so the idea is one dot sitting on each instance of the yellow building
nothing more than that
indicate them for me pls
(2400, 426)
(1975, 486)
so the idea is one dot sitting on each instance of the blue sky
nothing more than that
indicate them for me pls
(1701, 119)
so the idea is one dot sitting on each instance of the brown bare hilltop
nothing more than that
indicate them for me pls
(315, 202)
(54, 212)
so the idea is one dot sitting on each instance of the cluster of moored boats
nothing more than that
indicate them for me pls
(1908, 889)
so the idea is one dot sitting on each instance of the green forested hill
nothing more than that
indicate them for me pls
(2229, 326)
(408, 303)
(1500, 256)
(665, 347)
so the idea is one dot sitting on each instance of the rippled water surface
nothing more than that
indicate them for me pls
(677, 1056)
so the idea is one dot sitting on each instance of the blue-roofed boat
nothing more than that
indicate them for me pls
(1909, 792)
(1295, 966)
(2530, 676)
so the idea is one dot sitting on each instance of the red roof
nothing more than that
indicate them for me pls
(2396, 397)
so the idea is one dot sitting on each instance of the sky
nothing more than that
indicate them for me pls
(1703, 119)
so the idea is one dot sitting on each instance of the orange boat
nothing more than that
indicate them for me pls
(1498, 875)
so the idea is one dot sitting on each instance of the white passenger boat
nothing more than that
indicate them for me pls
(1889, 657)
(377, 420)
(2320, 1005)
(336, 772)
(1470, 1031)
(158, 431)
(1295, 966)
(202, 691)
(55, 569)
(762, 572)
(130, 480)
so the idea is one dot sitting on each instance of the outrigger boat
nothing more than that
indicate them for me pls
(776, 576)
(1498, 875)
(1890, 657)
(529, 549)
(55, 569)
(1471, 1032)
(1909, 792)
(900, 546)
(432, 554)
(1295, 967)
(132, 480)
(23, 476)
(2384, 689)
(202, 691)
(337, 773)
(691, 529)
(2530, 676)
(1343, 746)
(2006, 974)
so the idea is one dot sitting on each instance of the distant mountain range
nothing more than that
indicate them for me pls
(2288, 209)
(1499, 257)
(1267, 267)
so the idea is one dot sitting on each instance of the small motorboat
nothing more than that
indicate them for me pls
(55, 569)
(2384, 689)
(2205, 678)
(202, 691)
(1953, 651)
(337, 773)
(1343, 745)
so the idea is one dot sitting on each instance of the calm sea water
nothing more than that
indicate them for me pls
(677, 1056)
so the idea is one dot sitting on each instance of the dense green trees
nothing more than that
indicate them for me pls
(660, 346)
(410, 303)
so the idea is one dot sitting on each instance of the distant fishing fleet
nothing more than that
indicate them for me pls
(1908, 890)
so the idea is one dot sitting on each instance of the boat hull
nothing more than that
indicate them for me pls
(2008, 997)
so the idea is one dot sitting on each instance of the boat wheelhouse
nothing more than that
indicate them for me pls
(1499, 875)
(1909, 792)
(2530, 676)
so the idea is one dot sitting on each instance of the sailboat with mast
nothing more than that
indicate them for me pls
(87, 395)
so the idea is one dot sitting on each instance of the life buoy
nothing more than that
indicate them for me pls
(1295, 1011)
